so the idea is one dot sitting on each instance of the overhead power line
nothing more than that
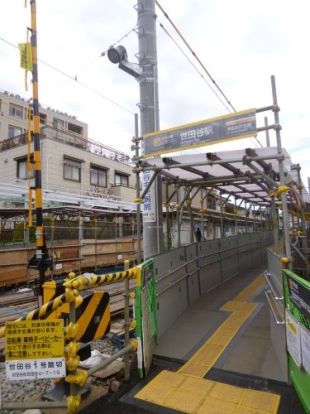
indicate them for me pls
(75, 79)
(195, 56)
(198, 60)
(195, 67)
(106, 51)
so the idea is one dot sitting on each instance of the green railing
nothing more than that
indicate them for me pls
(297, 312)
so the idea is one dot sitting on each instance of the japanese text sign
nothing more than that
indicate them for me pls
(209, 131)
(34, 339)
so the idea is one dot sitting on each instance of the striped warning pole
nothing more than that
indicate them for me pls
(83, 282)
(41, 260)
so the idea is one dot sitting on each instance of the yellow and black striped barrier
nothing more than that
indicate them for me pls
(43, 311)
(92, 311)
(92, 280)
(88, 316)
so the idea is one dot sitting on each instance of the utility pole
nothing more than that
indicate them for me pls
(145, 72)
(152, 213)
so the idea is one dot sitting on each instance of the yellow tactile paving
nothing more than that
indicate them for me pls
(188, 392)
(227, 392)
(247, 410)
(179, 400)
(251, 289)
(199, 396)
(203, 360)
(235, 305)
(261, 400)
(215, 406)
(196, 385)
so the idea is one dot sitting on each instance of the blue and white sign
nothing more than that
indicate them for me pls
(149, 207)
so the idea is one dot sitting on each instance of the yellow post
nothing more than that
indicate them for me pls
(127, 323)
(41, 260)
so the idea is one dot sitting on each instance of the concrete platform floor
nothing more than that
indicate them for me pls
(251, 350)
(248, 361)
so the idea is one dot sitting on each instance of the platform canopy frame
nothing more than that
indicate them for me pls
(264, 179)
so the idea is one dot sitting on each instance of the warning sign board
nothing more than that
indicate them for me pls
(34, 339)
(34, 349)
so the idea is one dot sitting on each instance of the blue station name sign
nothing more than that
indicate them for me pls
(197, 134)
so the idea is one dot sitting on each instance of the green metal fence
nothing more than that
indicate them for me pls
(297, 310)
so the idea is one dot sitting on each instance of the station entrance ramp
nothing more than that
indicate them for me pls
(215, 353)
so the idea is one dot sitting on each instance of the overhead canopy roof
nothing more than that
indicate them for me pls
(248, 173)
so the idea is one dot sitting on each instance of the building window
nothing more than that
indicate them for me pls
(121, 179)
(98, 176)
(21, 171)
(72, 170)
(75, 128)
(42, 118)
(14, 131)
(59, 124)
(16, 110)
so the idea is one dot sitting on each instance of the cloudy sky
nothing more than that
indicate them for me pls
(241, 42)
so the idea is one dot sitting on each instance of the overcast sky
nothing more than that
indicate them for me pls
(241, 43)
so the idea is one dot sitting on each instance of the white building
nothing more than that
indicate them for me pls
(71, 162)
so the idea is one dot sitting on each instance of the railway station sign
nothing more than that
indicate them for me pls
(34, 349)
(197, 134)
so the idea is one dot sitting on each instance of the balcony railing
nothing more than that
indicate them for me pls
(72, 140)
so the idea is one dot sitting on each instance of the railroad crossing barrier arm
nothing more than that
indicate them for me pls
(84, 282)
(44, 310)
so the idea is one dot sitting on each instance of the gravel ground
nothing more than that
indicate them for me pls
(19, 391)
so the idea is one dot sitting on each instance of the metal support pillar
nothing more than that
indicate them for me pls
(72, 316)
(192, 228)
(202, 216)
(178, 219)
(127, 324)
(236, 218)
(267, 132)
(222, 220)
(152, 224)
(137, 153)
(303, 221)
(80, 241)
(52, 246)
(286, 220)
(121, 225)
(168, 228)
(95, 237)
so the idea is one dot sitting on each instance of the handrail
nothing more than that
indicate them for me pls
(267, 276)
(171, 272)
(171, 284)
(278, 321)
